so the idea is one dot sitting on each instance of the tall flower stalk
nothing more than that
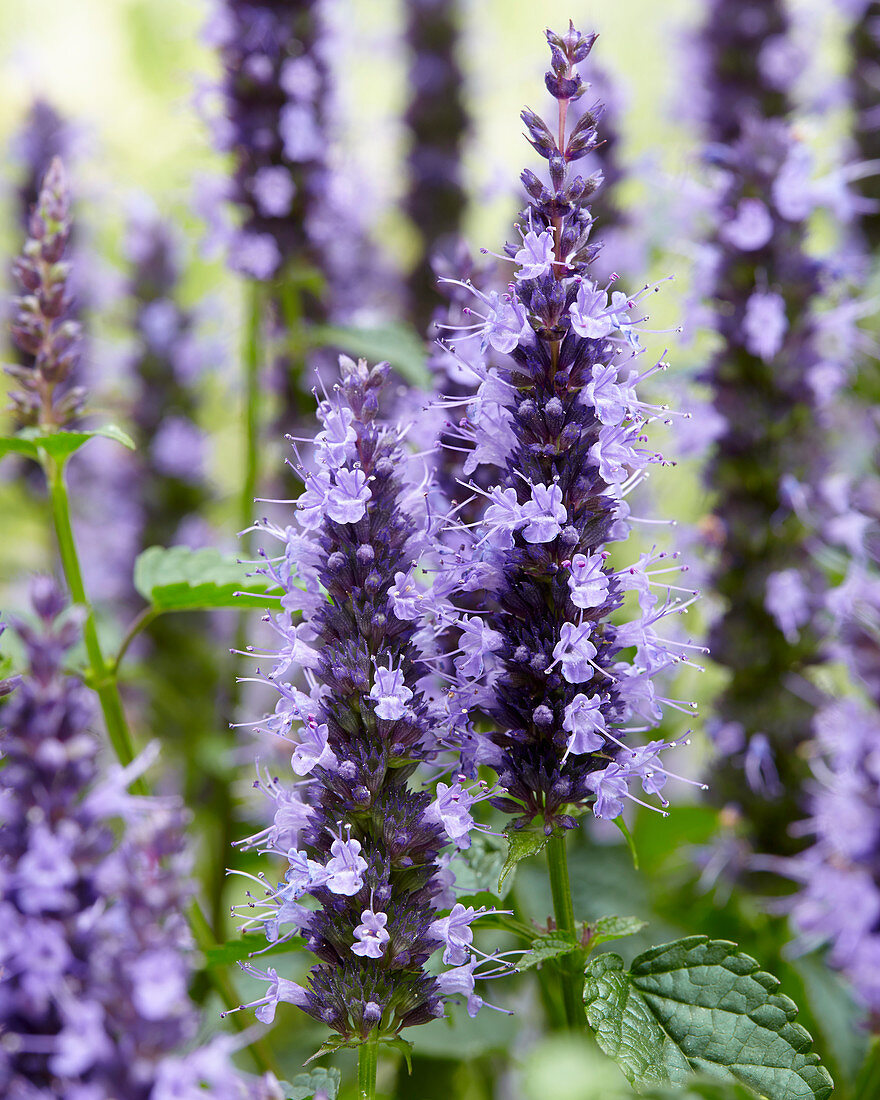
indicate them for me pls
(768, 379)
(542, 666)
(352, 830)
(437, 121)
(96, 954)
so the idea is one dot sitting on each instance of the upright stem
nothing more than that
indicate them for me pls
(101, 674)
(368, 1062)
(868, 1081)
(102, 679)
(563, 909)
(251, 357)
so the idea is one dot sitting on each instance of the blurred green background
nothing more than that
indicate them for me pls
(129, 74)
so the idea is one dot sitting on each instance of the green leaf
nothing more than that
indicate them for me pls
(396, 343)
(404, 1046)
(701, 1005)
(521, 843)
(330, 1046)
(548, 947)
(477, 868)
(307, 1084)
(60, 445)
(181, 579)
(630, 840)
(613, 928)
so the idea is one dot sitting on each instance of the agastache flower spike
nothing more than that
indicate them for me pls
(95, 951)
(864, 80)
(41, 326)
(764, 293)
(553, 686)
(354, 835)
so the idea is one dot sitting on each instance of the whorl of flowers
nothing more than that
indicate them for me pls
(437, 121)
(543, 665)
(95, 950)
(42, 326)
(865, 92)
(769, 378)
(354, 834)
(274, 94)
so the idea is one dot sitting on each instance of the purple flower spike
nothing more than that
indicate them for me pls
(365, 845)
(557, 433)
(95, 951)
(42, 327)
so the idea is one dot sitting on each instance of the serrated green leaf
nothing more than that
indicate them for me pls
(521, 843)
(307, 1084)
(547, 947)
(398, 344)
(700, 1005)
(330, 1046)
(181, 579)
(60, 445)
(613, 928)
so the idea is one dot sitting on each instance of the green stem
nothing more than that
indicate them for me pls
(368, 1063)
(102, 679)
(868, 1081)
(141, 622)
(101, 676)
(205, 940)
(563, 909)
(252, 354)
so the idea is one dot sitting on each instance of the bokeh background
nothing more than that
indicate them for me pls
(130, 75)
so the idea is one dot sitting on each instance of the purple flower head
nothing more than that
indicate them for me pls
(390, 693)
(371, 935)
(588, 583)
(585, 722)
(558, 434)
(765, 324)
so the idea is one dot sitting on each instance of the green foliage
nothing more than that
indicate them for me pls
(181, 579)
(613, 928)
(60, 444)
(477, 869)
(307, 1084)
(557, 943)
(396, 343)
(701, 1005)
(521, 843)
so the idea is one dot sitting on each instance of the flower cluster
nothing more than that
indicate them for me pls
(437, 120)
(355, 835)
(559, 683)
(95, 950)
(769, 378)
(42, 326)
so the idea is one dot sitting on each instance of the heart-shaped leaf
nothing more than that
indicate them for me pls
(521, 843)
(700, 1005)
